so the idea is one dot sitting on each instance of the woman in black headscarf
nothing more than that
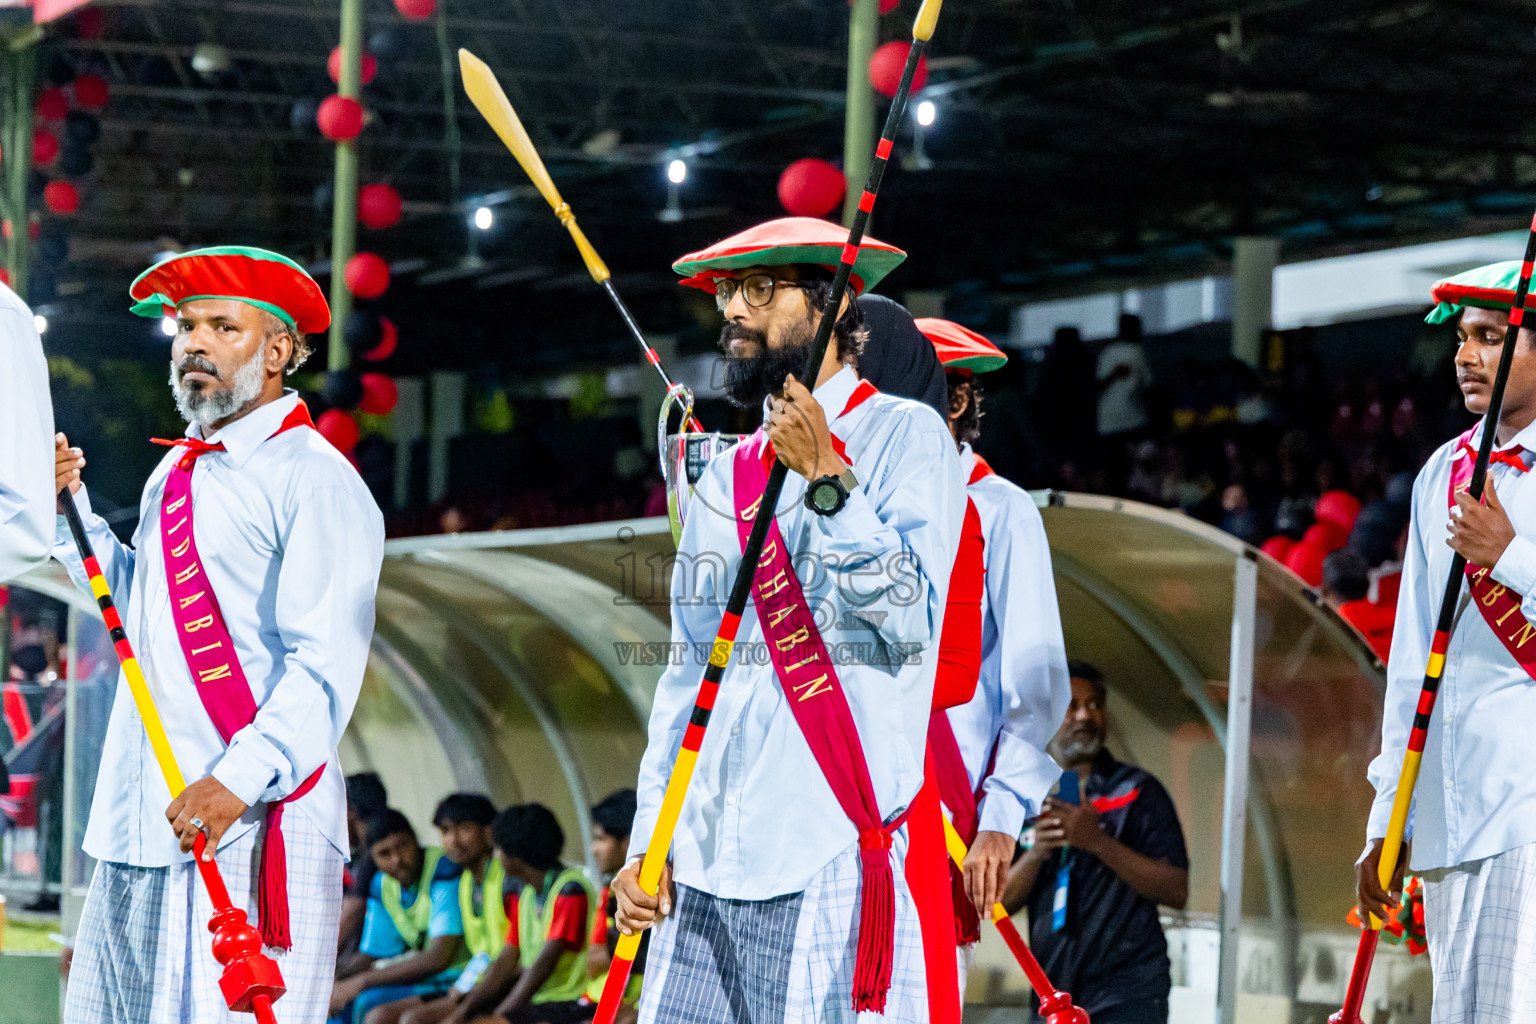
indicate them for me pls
(897, 359)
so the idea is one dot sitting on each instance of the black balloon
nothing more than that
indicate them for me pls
(301, 116)
(324, 197)
(389, 43)
(82, 127)
(76, 161)
(363, 330)
(60, 70)
(343, 389)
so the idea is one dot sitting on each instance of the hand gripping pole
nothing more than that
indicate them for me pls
(1392, 846)
(251, 981)
(720, 651)
(1055, 1006)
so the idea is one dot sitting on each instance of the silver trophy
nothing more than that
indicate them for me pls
(684, 455)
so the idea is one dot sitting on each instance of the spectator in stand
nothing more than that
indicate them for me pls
(1123, 377)
(1127, 856)
(1346, 582)
(1334, 516)
(366, 798)
(413, 933)
(464, 822)
(1067, 410)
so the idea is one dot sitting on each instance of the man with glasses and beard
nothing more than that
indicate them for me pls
(248, 596)
(1100, 863)
(766, 920)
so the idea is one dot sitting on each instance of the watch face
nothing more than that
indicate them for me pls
(824, 496)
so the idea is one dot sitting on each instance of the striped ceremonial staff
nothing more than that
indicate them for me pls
(251, 979)
(490, 99)
(1055, 1006)
(720, 650)
(1392, 845)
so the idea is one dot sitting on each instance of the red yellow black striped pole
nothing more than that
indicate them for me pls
(251, 980)
(1055, 1005)
(1391, 847)
(720, 651)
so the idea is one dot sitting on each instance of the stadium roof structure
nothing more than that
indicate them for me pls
(1076, 141)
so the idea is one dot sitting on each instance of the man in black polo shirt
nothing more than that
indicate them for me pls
(1126, 856)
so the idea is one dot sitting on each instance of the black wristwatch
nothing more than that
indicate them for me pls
(827, 495)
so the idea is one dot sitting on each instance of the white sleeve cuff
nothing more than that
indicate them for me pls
(1516, 568)
(244, 773)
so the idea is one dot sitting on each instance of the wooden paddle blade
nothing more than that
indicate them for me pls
(927, 17)
(487, 96)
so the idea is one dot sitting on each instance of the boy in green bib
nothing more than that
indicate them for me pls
(412, 933)
(463, 821)
(542, 972)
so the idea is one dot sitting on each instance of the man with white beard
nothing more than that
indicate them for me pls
(252, 623)
(26, 421)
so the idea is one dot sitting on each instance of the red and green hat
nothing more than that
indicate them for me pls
(785, 242)
(1490, 287)
(258, 277)
(961, 348)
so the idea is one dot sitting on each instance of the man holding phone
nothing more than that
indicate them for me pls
(1096, 870)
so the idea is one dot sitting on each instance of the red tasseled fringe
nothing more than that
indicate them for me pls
(967, 921)
(272, 891)
(877, 932)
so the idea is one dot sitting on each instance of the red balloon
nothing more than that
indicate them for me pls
(378, 206)
(811, 187)
(52, 104)
(367, 275)
(379, 394)
(386, 346)
(45, 147)
(91, 92)
(339, 428)
(61, 197)
(5, 276)
(886, 6)
(369, 68)
(415, 10)
(340, 118)
(887, 63)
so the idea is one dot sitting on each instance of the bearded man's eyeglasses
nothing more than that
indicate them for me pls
(756, 289)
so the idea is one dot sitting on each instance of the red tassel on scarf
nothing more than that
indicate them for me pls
(877, 923)
(967, 921)
(272, 891)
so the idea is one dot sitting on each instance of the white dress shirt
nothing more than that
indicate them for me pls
(26, 442)
(292, 543)
(1476, 794)
(760, 819)
(1024, 690)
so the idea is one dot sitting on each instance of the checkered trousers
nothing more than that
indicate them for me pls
(787, 960)
(143, 951)
(1480, 921)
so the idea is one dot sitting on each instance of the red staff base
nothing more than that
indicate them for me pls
(251, 980)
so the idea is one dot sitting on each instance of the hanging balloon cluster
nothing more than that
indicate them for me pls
(814, 188)
(370, 336)
(63, 142)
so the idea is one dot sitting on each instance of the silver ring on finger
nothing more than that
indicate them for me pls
(197, 823)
